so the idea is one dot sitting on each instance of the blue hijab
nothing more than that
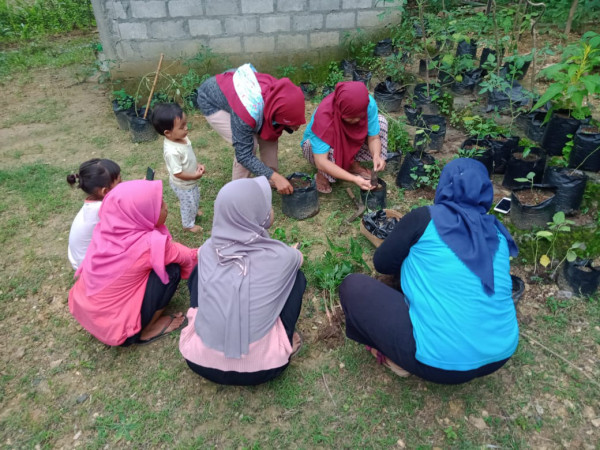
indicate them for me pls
(460, 215)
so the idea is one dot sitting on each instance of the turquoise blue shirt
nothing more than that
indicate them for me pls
(455, 324)
(317, 144)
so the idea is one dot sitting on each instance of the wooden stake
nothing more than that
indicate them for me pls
(153, 85)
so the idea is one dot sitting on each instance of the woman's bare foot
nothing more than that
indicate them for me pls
(194, 229)
(323, 185)
(161, 327)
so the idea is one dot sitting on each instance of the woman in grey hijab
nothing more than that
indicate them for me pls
(246, 293)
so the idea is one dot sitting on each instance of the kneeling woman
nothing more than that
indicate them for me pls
(246, 293)
(346, 128)
(131, 269)
(455, 319)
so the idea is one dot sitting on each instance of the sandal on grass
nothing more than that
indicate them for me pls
(164, 332)
(381, 359)
(295, 352)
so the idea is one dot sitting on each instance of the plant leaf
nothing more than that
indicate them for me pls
(553, 90)
(544, 260)
(571, 256)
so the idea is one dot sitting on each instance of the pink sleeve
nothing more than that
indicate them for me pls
(186, 257)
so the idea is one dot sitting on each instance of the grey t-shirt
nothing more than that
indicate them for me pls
(211, 100)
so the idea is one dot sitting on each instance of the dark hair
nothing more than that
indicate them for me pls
(163, 116)
(95, 174)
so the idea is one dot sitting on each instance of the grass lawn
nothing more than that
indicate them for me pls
(60, 388)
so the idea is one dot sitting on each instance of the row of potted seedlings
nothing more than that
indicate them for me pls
(131, 118)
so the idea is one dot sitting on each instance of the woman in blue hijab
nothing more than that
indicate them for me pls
(454, 319)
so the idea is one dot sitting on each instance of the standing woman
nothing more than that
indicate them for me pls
(344, 129)
(250, 110)
(455, 318)
(246, 294)
(131, 269)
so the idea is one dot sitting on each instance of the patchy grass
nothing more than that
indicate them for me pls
(59, 387)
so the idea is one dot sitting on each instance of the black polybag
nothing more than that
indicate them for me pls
(378, 224)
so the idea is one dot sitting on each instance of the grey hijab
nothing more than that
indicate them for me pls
(244, 276)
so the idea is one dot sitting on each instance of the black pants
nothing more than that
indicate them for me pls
(377, 316)
(156, 297)
(289, 316)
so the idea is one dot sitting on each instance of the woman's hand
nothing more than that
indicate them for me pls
(362, 183)
(281, 183)
(378, 163)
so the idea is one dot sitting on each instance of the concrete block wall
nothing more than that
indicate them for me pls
(139, 30)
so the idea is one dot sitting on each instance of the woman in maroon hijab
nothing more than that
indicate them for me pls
(251, 110)
(344, 129)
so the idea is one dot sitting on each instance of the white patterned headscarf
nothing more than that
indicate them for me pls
(244, 276)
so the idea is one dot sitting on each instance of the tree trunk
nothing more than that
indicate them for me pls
(571, 14)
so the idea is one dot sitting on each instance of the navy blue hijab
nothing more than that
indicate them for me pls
(460, 215)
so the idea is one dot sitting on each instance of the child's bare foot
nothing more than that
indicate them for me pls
(200, 212)
(194, 229)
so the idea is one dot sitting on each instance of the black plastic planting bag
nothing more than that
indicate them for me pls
(348, 67)
(466, 85)
(582, 277)
(389, 94)
(413, 115)
(392, 162)
(413, 160)
(526, 216)
(141, 129)
(509, 67)
(308, 89)
(518, 287)
(420, 95)
(585, 154)
(555, 136)
(519, 168)
(485, 153)
(484, 55)
(536, 127)
(378, 224)
(502, 148)
(570, 186)
(514, 95)
(375, 198)
(383, 48)
(434, 128)
(304, 201)
(467, 48)
(362, 75)
(122, 115)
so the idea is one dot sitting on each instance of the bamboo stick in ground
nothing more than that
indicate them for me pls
(153, 85)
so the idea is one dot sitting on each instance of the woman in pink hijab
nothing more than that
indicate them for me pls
(346, 128)
(131, 269)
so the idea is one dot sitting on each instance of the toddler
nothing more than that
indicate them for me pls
(95, 177)
(169, 120)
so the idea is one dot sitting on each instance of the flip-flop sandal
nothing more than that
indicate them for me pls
(381, 359)
(163, 332)
(295, 352)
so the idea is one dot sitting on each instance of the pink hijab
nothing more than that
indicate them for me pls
(349, 100)
(126, 230)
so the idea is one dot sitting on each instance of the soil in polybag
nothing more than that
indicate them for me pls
(375, 198)
(141, 129)
(482, 152)
(378, 224)
(517, 167)
(304, 201)
(389, 94)
(413, 115)
(585, 154)
(362, 75)
(570, 186)
(555, 137)
(532, 207)
(434, 133)
(420, 95)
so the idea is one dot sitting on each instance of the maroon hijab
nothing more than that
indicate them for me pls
(349, 100)
(284, 103)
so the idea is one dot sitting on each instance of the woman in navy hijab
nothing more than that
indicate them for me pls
(454, 319)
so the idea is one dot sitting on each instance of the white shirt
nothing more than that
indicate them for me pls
(81, 232)
(180, 158)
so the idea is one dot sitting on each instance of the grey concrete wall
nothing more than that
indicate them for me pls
(136, 30)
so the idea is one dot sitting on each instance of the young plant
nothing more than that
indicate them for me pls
(123, 99)
(575, 78)
(528, 179)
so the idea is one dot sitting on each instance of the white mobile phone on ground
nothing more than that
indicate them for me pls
(503, 206)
